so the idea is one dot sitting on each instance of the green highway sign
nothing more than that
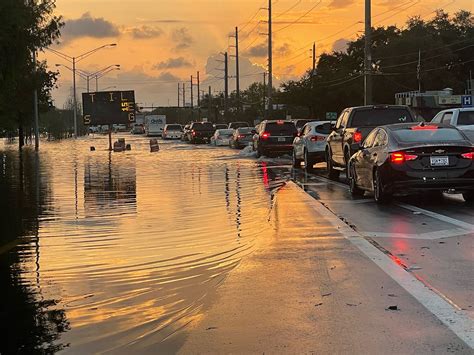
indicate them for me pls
(332, 116)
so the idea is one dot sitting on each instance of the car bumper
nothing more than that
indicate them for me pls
(277, 148)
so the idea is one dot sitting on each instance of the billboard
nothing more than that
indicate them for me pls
(108, 107)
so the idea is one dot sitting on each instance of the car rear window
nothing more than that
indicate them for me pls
(206, 126)
(281, 128)
(174, 127)
(428, 135)
(466, 118)
(224, 132)
(380, 117)
(245, 130)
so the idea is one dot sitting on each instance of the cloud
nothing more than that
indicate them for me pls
(173, 63)
(283, 50)
(340, 45)
(339, 4)
(88, 26)
(182, 38)
(258, 51)
(145, 32)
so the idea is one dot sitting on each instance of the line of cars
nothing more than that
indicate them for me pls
(386, 151)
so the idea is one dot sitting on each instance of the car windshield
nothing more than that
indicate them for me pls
(174, 127)
(466, 118)
(380, 117)
(283, 128)
(205, 126)
(410, 135)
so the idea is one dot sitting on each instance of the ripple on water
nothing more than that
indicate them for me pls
(126, 247)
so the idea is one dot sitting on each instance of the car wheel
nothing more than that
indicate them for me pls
(353, 188)
(332, 173)
(347, 158)
(296, 161)
(469, 197)
(308, 162)
(380, 195)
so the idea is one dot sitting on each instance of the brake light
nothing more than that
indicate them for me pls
(469, 155)
(357, 137)
(280, 122)
(317, 138)
(401, 157)
(241, 136)
(265, 135)
(193, 132)
(424, 128)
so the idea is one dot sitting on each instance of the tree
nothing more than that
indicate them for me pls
(25, 27)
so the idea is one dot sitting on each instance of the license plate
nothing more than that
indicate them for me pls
(439, 161)
(281, 139)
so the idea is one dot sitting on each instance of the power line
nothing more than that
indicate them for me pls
(299, 18)
(289, 9)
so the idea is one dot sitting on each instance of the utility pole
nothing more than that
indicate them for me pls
(313, 74)
(179, 93)
(270, 60)
(74, 100)
(184, 95)
(210, 103)
(35, 107)
(368, 54)
(199, 97)
(264, 92)
(192, 99)
(237, 68)
(226, 81)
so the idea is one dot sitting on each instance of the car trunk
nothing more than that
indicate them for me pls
(438, 157)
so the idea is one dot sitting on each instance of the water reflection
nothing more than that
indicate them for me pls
(109, 186)
(131, 252)
(30, 319)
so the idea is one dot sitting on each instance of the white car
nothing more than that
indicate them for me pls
(222, 137)
(461, 118)
(309, 146)
(172, 131)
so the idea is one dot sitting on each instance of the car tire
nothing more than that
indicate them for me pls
(296, 161)
(347, 158)
(380, 195)
(333, 174)
(308, 162)
(353, 188)
(469, 197)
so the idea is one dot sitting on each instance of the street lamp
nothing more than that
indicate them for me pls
(87, 76)
(102, 73)
(74, 60)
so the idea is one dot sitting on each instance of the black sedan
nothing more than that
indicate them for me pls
(409, 158)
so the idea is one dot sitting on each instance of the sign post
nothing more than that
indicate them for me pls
(109, 108)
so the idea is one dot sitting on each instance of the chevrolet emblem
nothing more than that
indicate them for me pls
(440, 151)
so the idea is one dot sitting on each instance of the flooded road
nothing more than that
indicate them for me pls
(117, 252)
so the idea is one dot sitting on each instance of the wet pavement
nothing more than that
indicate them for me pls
(126, 252)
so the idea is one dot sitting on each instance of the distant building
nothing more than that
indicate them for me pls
(428, 104)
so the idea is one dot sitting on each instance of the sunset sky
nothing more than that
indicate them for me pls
(161, 43)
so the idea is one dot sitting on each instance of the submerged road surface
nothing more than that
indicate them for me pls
(204, 250)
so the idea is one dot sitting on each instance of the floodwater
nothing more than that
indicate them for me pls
(118, 252)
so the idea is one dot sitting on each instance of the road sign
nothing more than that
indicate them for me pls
(332, 116)
(467, 101)
(108, 107)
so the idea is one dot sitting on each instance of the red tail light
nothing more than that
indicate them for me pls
(241, 136)
(469, 155)
(193, 132)
(401, 157)
(317, 138)
(266, 135)
(424, 128)
(357, 137)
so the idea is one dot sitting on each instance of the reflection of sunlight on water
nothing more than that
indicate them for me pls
(132, 243)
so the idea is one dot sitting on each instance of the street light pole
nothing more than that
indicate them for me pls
(74, 60)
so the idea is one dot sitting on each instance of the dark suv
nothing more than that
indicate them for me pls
(274, 138)
(353, 126)
(201, 132)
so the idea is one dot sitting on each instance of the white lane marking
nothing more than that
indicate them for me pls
(456, 222)
(456, 232)
(457, 320)
(453, 221)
